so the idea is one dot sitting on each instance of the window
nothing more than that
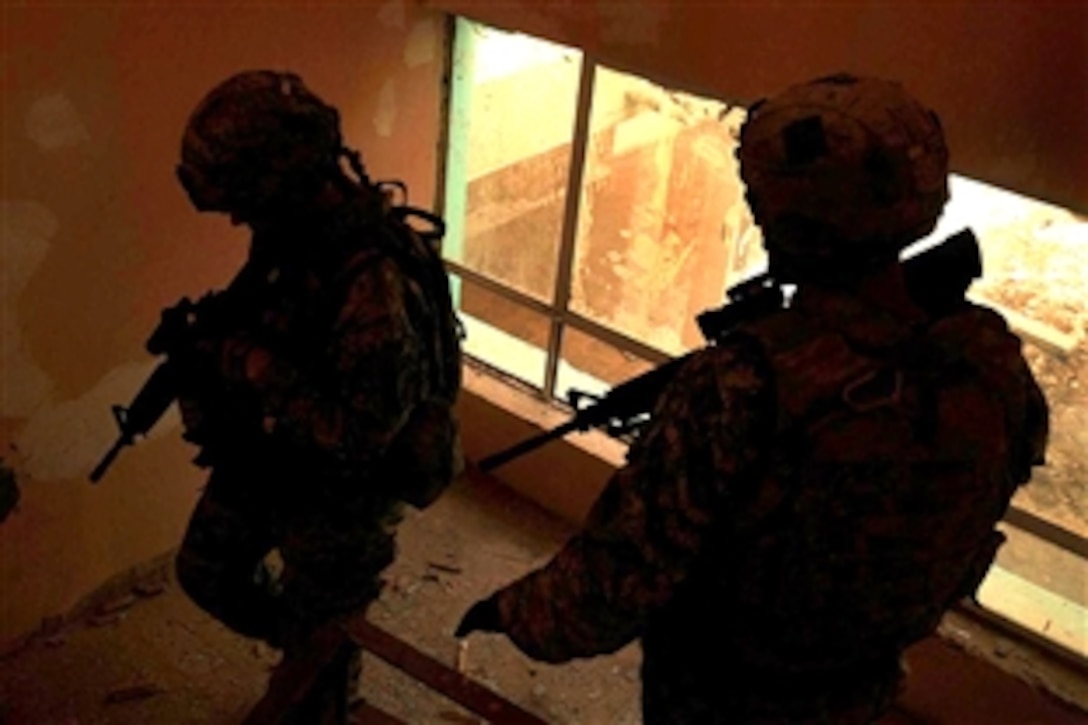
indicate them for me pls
(605, 208)
(592, 214)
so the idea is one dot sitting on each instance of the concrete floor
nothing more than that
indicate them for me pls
(150, 656)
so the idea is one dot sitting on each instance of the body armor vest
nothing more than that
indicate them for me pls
(875, 507)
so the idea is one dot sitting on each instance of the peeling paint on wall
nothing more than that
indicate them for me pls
(386, 115)
(66, 440)
(419, 49)
(52, 122)
(392, 14)
(26, 228)
(58, 441)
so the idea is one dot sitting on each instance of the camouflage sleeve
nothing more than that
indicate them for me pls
(652, 520)
(354, 405)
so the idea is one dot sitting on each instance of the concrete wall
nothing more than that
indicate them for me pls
(97, 237)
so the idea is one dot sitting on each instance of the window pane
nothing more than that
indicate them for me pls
(511, 125)
(502, 333)
(663, 226)
(1041, 587)
(592, 366)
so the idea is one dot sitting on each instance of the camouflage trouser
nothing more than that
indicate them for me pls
(334, 540)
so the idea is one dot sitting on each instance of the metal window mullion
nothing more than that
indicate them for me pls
(618, 340)
(565, 270)
(447, 112)
(1051, 533)
(499, 289)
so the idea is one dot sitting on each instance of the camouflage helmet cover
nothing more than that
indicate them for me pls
(254, 136)
(857, 157)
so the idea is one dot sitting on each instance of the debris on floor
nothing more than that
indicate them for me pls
(163, 660)
(150, 655)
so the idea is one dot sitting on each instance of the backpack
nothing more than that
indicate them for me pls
(887, 473)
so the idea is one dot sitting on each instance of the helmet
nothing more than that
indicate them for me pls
(843, 168)
(257, 140)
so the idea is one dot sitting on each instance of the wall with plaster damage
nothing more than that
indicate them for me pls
(98, 237)
(1008, 78)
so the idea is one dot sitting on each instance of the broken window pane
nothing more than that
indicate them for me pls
(663, 228)
(511, 125)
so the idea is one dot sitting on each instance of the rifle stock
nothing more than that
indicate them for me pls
(937, 279)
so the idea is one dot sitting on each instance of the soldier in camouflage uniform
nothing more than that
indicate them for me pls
(815, 490)
(319, 385)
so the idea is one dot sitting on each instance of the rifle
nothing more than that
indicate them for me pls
(142, 413)
(218, 311)
(161, 388)
(937, 280)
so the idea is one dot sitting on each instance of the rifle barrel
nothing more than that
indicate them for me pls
(107, 460)
(496, 460)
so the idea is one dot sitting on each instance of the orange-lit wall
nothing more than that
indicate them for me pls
(97, 237)
(1009, 77)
